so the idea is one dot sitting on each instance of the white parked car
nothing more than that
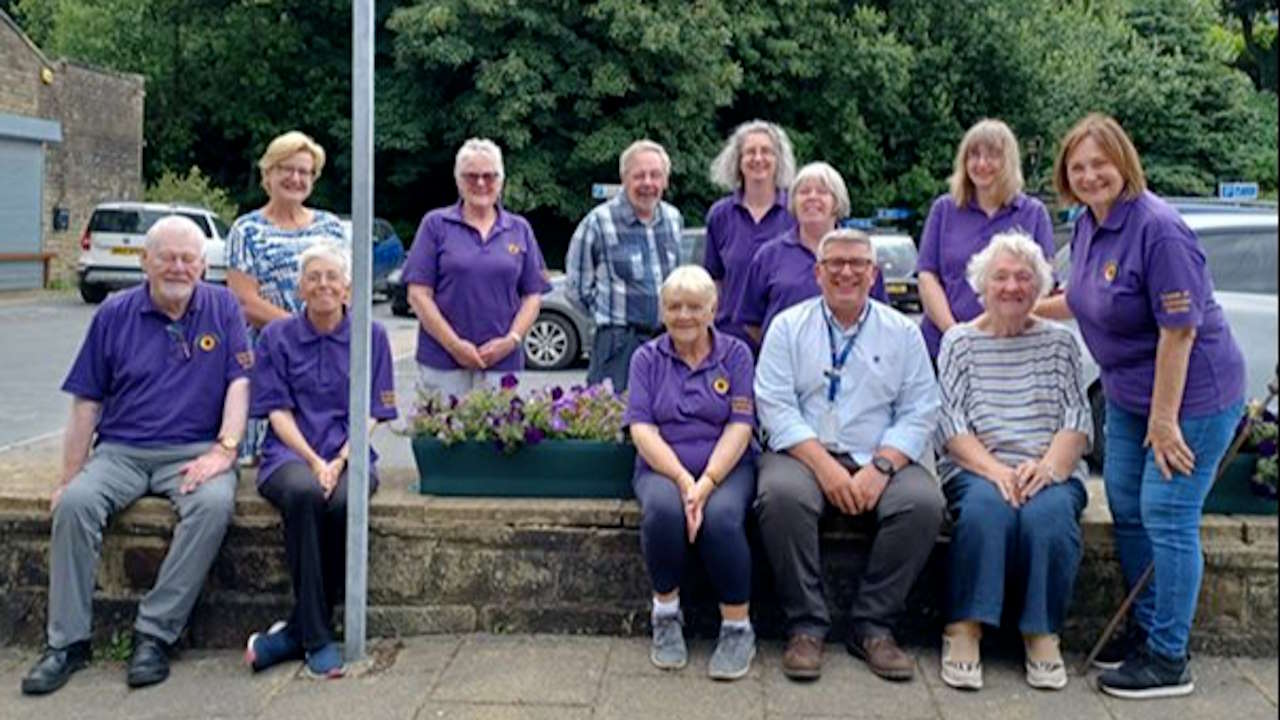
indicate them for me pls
(112, 244)
(1241, 247)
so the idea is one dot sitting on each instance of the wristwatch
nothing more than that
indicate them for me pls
(229, 443)
(883, 464)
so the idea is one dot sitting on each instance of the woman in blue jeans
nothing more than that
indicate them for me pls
(1174, 380)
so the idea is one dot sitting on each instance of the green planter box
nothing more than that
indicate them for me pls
(1232, 494)
(551, 469)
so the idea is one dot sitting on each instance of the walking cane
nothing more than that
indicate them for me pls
(1253, 414)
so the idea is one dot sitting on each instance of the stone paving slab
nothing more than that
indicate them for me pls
(1263, 674)
(1005, 693)
(846, 689)
(540, 669)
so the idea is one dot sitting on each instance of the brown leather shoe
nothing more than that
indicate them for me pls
(883, 656)
(802, 659)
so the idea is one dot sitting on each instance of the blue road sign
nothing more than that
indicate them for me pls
(892, 213)
(1238, 190)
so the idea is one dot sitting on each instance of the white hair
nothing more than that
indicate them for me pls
(692, 279)
(829, 178)
(726, 170)
(1017, 244)
(483, 147)
(325, 250)
(638, 147)
(171, 226)
(850, 236)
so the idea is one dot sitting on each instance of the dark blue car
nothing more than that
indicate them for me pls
(388, 251)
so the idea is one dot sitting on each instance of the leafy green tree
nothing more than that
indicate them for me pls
(194, 188)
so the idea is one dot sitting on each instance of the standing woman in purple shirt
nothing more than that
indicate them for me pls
(691, 412)
(299, 384)
(1174, 381)
(757, 165)
(985, 199)
(476, 278)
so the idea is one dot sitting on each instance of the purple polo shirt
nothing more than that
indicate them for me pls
(308, 373)
(691, 407)
(953, 234)
(160, 381)
(1144, 269)
(733, 237)
(781, 275)
(478, 283)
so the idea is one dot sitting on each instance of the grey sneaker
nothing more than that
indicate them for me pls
(668, 650)
(734, 651)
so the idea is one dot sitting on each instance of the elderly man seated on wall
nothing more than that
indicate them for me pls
(848, 401)
(160, 393)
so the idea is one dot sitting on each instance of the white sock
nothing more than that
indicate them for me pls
(744, 623)
(666, 608)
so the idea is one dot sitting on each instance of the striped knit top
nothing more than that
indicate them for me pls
(1011, 393)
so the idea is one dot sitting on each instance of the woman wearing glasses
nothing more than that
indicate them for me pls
(476, 278)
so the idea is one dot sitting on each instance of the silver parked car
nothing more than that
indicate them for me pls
(1241, 250)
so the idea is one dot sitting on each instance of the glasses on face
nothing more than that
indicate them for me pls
(288, 170)
(1022, 277)
(984, 153)
(678, 307)
(178, 334)
(835, 265)
(475, 178)
(170, 259)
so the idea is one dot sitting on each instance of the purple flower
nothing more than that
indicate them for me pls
(556, 393)
(1267, 448)
(558, 424)
(533, 435)
(509, 381)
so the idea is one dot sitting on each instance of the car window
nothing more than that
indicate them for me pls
(223, 229)
(137, 221)
(1242, 260)
(896, 258)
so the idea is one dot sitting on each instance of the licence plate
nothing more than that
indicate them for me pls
(126, 251)
(896, 288)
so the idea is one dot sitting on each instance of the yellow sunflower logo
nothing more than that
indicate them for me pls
(513, 248)
(1109, 271)
(207, 342)
(720, 385)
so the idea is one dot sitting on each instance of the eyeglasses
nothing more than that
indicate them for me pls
(835, 265)
(287, 170)
(178, 334)
(474, 178)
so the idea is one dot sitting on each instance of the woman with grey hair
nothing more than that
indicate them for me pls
(691, 413)
(476, 277)
(756, 165)
(781, 271)
(299, 385)
(1015, 424)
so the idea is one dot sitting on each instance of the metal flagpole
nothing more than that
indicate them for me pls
(362, 282)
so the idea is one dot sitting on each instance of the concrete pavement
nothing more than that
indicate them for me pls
(565, 677)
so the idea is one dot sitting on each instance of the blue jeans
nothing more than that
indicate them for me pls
(1035, 550)
(1158, 520)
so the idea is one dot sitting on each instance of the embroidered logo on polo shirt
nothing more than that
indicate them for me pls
(1109, 270)
(513, 248)
(388, 398)
(741, 405)
(245, 359)
(207, 342)
(720, 385)
(1177, 302)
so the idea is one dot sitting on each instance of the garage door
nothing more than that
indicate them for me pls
(21, 185)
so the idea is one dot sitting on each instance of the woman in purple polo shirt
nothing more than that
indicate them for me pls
(691, 412)
(476, 278)
(781, 272)
(1174, 381)
(985, 198)
(756, 164)
(300, 384)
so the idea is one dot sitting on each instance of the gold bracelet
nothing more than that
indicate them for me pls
(714, 480)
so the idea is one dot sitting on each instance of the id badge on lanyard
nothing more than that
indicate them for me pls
(830, 424)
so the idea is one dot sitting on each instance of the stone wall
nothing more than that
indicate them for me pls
(456, 565)
(20, 65)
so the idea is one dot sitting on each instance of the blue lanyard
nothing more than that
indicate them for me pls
(838, 360)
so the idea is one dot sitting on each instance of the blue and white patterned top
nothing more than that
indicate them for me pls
(269, 254)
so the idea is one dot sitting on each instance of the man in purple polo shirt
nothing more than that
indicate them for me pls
(161, 381)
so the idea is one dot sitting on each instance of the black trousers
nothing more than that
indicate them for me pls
(315, 547)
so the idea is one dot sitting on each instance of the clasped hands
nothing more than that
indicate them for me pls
(328, 472)
(466, 354)
(695, 494)
(1017, 485)
(853, 493)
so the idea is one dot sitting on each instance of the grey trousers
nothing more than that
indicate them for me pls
(113, 478)
(789, 504)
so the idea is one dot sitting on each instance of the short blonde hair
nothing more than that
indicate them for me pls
(829, 178)
(478, 146)
(287, 145)
(325, 250)
(726, 169)
(692, 279)
(1017, 244)
(637, 147)
(996, 135)
(849, 236)
(1115, 145)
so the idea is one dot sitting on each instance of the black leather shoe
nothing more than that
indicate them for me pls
(54, 668)
(149, 663)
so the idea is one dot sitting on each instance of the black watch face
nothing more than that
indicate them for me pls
(883, 465)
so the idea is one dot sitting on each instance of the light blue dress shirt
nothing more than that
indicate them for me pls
(887, 394)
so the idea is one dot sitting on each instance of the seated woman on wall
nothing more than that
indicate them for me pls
(299, 383)
(1015, 424)
(691, 413)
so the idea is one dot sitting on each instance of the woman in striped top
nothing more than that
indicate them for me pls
(1015, 424)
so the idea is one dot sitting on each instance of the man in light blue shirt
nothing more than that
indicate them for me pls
(618, 257)
(847, 399)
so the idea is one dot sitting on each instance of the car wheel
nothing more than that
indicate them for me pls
(93, 293)
(552, 343)
(1098, 406)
